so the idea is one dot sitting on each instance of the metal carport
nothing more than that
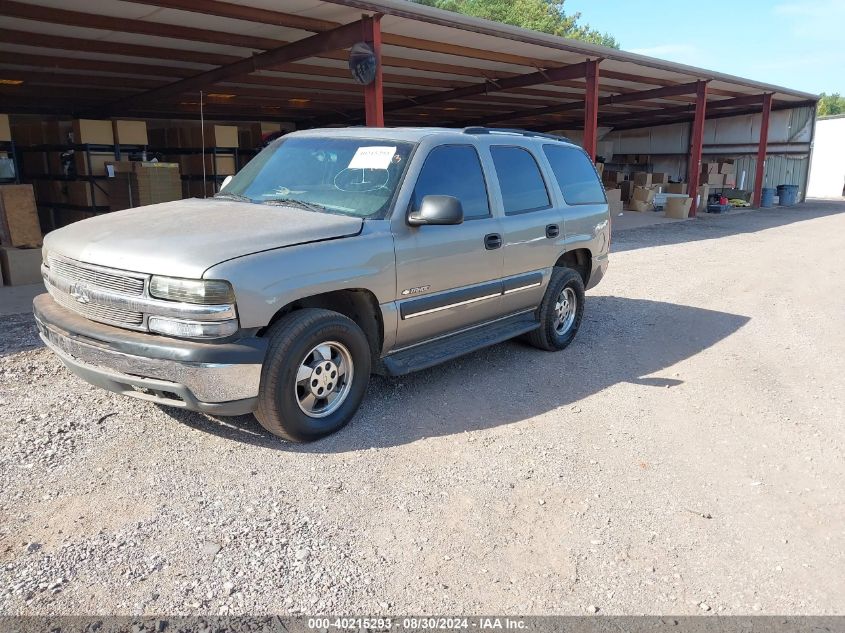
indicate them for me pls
(254, 60)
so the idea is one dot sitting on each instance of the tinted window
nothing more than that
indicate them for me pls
(575, 174)
(520, 180)
(454, 170)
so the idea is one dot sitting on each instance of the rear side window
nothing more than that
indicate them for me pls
(522, 184)
(454, 170)
(575, 175)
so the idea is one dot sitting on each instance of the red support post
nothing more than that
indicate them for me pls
(696, 144)
(762, 147)
(374, 92)
(591, 109)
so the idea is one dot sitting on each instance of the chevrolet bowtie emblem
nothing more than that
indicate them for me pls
(80, 293)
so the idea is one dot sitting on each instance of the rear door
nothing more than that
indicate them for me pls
(532, 224)
(448, 277)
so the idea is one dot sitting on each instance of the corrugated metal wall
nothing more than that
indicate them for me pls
(790, 132)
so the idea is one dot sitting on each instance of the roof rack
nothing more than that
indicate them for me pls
(508, 130)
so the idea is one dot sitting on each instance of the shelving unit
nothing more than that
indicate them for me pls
(95, 181)
(236, 153)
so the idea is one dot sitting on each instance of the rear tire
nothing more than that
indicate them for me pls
(560, 311)
(314, 376)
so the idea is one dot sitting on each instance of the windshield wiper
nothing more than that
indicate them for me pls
(293, 202)
(232, 196)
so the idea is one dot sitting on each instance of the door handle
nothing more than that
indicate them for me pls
(492, 241)
(552, 230)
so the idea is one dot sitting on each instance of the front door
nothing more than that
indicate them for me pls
(449, 277)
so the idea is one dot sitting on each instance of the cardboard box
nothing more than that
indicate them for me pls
(33, 164)
(677, 208)
(58, 132)
(5, 130)
(641, 207)
(615, 206)
(676, 187)
(642, 178)
(130, 132)
(20, 265)
(26, 134)
(727, 168)
(643, 194)
(627, 189)
(80, 194)
(703, 194)
(714, 180)
(613, 195)
(659, 178)
(709, 168)
(19, 224)
(93, 131)
(192, 164)
(137, 184)
(612, 177)
(730, 180)
(98, 162)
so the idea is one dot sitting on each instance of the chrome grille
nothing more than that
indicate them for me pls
(97, 277)
(111, 315)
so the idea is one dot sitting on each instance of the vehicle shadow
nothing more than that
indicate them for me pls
(712, 226)
(621, 340)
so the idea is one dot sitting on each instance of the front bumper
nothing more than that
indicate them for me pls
(218, 378)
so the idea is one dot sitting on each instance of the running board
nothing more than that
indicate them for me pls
(430, 354)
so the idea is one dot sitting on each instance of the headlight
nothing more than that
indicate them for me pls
(206, 292)
(192, 329)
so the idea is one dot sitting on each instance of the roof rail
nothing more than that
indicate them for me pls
(508, 130)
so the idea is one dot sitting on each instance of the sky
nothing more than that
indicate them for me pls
(798, 44)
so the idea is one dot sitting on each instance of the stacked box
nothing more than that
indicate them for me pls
(643, 194)
(659, 178)
(642, 178)
(93, 131)
(19, 224)
(676, 187)
(137, 184)
(81, 194)
(20, 265)
(627, 189)
(130, 132)
(5, 130)
(612, 177)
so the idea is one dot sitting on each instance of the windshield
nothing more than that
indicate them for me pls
(351, 176)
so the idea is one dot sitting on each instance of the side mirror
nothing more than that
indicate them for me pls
(437, 210)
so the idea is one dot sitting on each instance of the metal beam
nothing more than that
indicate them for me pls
(341, 37)
(591, 110)
(762, 146)
(687, 109)
(643, 95)
(482, 88)
(696, 145)
(374, 92)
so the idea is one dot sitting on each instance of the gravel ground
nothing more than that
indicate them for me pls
(684, 455)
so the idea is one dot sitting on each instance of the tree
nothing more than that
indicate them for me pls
(830, 104)
(546, 16)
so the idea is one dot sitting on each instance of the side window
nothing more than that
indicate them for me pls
(454, 170)
(520, 180)
(575, 174)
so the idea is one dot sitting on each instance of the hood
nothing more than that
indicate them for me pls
(186, 237)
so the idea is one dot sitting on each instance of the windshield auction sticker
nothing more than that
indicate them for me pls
(376, 157)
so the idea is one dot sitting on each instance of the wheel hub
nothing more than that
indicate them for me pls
(323, 378)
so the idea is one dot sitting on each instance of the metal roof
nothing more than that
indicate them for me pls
(74, 57)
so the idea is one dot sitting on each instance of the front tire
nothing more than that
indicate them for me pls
(314, 376)
(560, 312)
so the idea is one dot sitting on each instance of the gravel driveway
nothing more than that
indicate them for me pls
(684, 456)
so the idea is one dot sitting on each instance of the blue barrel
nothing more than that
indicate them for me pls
(787, 195)
(767, 200)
